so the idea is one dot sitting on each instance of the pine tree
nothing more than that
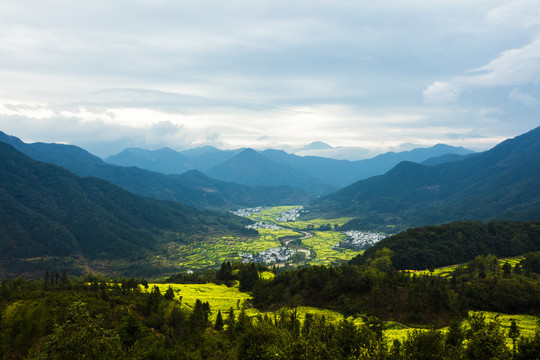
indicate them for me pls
(218, 326)
(507, 268)
(169, 294)
(513, 333)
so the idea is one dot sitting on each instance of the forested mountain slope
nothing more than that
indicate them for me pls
(194, 188)
(48, 211)
(502, 183)
(250, 167)
(292, 169)
(456, 242)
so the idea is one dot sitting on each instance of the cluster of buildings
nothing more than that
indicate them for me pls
(270, 256)
(263, 225)
(290, 215)
(359, 240)
(246, 212)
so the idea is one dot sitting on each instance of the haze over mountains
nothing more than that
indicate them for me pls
(191, 188)
(442, 184)
(501, 183)
(317, 175)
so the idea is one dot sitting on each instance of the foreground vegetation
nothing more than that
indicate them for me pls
(77, 319)
(211, 315)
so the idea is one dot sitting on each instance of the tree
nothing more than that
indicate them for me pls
(198, 321)
(64, 280)
(513, 333)
(81, 336)
(421, 345)
(517, 269)
(169, 294)
(507, 269)
(486, 340)
(218, 326)
(383, 260)
(224, 275)
(153, 300)
(231, 324)
(248, 277)
(482, 270)
(129, 330)
(46, 278)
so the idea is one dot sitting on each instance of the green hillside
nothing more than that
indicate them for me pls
(455, 243)
(48, 211)
(502, 183)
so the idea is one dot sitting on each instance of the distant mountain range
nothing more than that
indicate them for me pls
(253, 168)
(317, 175)
(502, 183)
(47, 211)
(191, 188)
(168, 161)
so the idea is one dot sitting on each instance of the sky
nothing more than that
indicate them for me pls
(363, 77)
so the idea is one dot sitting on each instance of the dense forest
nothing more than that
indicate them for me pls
(376, 288)
(49, 212)
(59, 317)
(457, 242)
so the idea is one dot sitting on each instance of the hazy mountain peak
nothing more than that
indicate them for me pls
(8, 139)
(248, 152)
(317, 145)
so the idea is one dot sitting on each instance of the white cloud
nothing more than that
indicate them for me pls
(523, 98)
(512, 67)
(182, 73)
(441, 92)
(520, 13)
(30, 110)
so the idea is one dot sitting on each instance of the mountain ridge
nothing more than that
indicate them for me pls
(182, 188)
(333, 173)
(498, 183)
(49, 211)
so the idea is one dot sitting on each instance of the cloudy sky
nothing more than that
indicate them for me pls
(377, 76)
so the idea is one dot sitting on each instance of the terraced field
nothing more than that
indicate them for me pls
(211, 254)
(321, 245)
(316, 245)
(447, 270)
(222, 298)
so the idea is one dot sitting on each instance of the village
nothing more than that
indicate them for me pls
(247, 212)
(290, 215)
(263, 225)
(270, 256)
(360, 240)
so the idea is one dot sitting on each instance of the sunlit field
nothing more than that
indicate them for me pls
(447, 270)
(223, 298)
(322, 244)
(205, 254)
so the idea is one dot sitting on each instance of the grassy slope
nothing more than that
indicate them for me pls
(222, 298)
